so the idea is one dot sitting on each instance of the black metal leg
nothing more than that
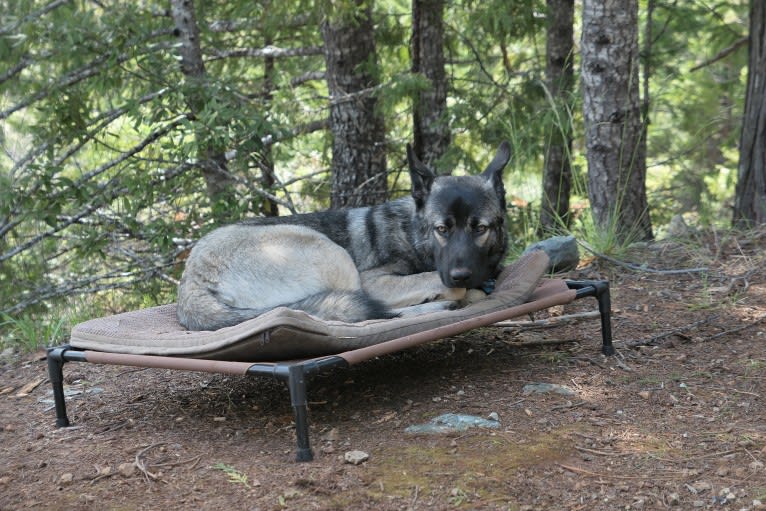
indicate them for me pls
(296, 382)
(56, 376)
(605, 309)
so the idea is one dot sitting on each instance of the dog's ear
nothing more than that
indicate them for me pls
(421, 176)
(494, 171)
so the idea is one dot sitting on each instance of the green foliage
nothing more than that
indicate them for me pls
(696, 105)
(26, 333)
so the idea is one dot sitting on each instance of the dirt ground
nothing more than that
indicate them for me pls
(675, 420)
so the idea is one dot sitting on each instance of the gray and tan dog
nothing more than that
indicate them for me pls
(407, 256)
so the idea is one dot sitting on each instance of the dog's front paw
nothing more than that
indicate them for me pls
(472, 296)
(454, 294)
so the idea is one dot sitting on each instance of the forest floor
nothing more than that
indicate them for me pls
(674, 420)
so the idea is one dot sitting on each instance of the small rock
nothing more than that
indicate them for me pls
(127, 469)
(66, 478)
(495, 417)
(451, 422)
(674, 499)
(356, 457)
(699, 503)
(645, 394)
(756, 465)
(4, 480)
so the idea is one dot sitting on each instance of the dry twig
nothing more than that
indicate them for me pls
(636, 267)
(735, 330)
(142, 466)
(650, 341)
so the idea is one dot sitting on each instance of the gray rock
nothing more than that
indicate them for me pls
(561, 250)
(452, 422)
(356, 457)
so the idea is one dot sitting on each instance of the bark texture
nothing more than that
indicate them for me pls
(431, 132)
(358, 148)
(750, 200)
(616, 152)
(212, 160)
(559, 78)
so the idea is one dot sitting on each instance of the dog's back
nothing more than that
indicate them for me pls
(239, 272)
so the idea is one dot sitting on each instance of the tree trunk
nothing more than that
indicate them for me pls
(212, 160)
(267, 206)
(358, 148)
(750, 199)
(430, 127)
(559, 74)
(616, 153)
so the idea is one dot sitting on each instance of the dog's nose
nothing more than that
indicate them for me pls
(460, 275)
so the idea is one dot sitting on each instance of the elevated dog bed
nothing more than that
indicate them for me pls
(292, 345)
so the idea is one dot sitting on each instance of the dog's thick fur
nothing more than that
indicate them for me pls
(404, 257)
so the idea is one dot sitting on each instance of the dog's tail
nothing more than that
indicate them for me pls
(348, 306)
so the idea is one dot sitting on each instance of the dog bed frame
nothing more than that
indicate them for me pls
(293, 346)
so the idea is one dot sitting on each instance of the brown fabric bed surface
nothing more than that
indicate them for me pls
(284, 334)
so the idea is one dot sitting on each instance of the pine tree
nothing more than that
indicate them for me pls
(615, 150)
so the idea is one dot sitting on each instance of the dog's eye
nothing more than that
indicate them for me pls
(442, 229)
(480, 229)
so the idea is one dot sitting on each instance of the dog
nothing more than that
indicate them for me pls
(420, 253)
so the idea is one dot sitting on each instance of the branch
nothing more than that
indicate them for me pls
(242, 24)
(87, 71)
(735, 330)
(477, 57)
(95, 204)
(722, 54)
(83, 286)
(18, 68)
(29, 17)
(301, 129)
(7, 224)
(266, 52)
(307, 77)
(636, 267)
(676, 331)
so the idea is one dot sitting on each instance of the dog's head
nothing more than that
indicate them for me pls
(463, 218)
